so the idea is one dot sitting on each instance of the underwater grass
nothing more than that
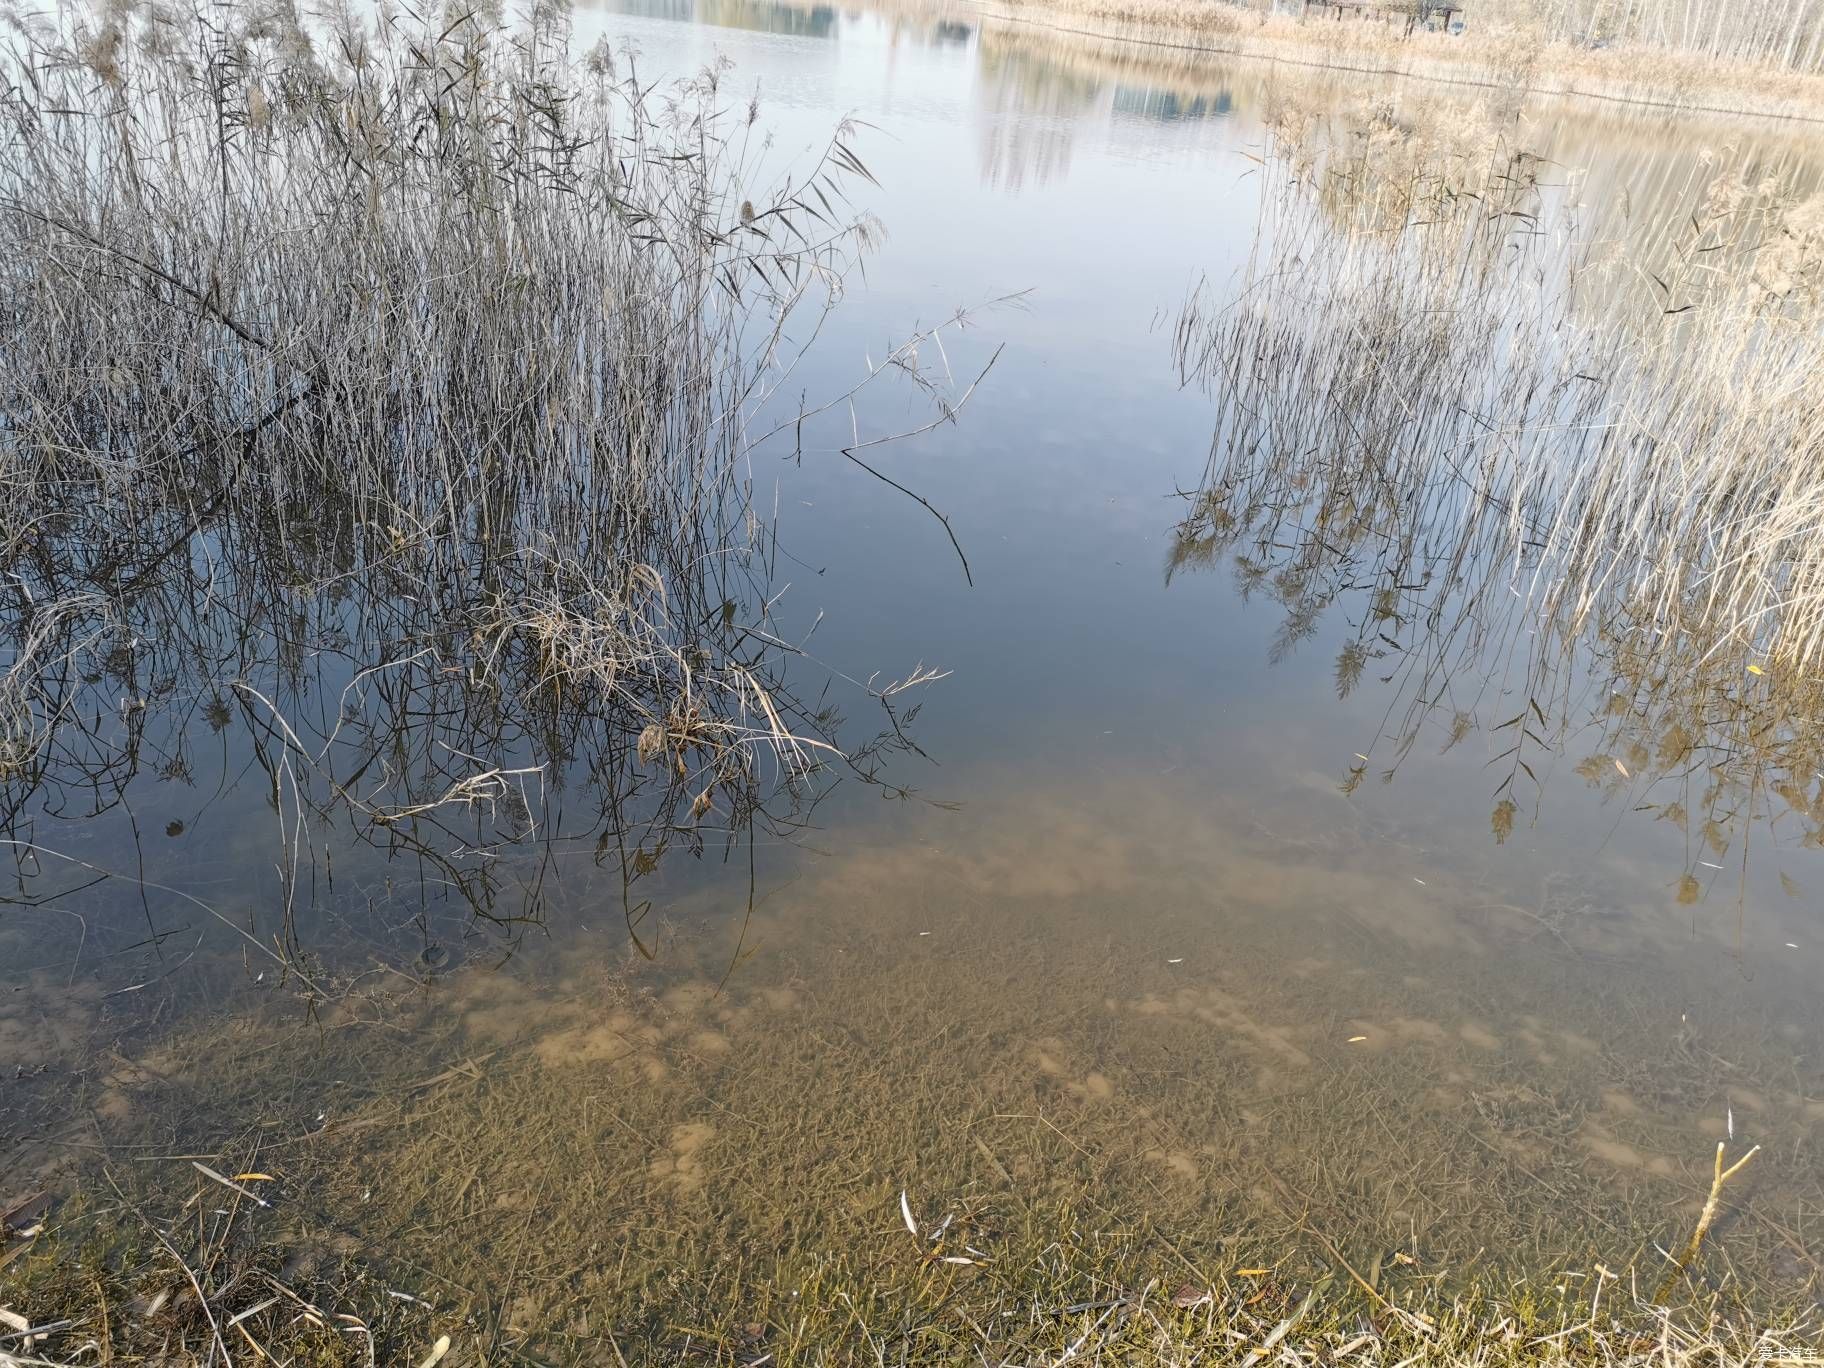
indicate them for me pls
(1067, 1289)
(586, 1154)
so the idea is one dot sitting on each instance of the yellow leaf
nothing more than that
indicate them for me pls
(1755, 669)
(1357, 1040)
(1252, 1272)
(254, 1178)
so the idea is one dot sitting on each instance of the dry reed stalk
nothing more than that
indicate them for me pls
(1704, 1220)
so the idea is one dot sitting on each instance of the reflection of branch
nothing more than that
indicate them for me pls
(920, 675)
(251, 939)
(949, 415)
(22, 735)
(476, 788)
(197, 523)
(1412, 410)
(903, 359)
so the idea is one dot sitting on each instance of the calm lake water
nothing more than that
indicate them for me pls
(1127, 947)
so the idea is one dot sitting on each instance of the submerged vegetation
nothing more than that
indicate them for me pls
(1067, 1288)
(593, 1155)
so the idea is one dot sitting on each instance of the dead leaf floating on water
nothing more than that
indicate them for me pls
(1189, 1296)
(651, 743)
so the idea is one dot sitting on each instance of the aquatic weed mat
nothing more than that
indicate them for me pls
(1033, 1055)
(596, 1155)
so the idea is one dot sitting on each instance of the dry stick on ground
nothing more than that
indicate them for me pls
(1704, 1219)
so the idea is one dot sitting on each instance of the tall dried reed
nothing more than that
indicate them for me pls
(418, 358)
(1542, 448)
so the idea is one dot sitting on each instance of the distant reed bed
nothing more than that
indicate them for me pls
(1601, 410)
(1561, 469)
(1726, 58)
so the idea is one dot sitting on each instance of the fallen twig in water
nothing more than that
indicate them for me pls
(1704, 1219)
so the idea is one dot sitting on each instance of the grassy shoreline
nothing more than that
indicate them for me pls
(111, 1286)
(1490, 56)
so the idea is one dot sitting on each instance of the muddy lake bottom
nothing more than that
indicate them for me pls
(1086, 1065)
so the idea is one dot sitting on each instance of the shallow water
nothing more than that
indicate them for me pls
(1125, 937)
